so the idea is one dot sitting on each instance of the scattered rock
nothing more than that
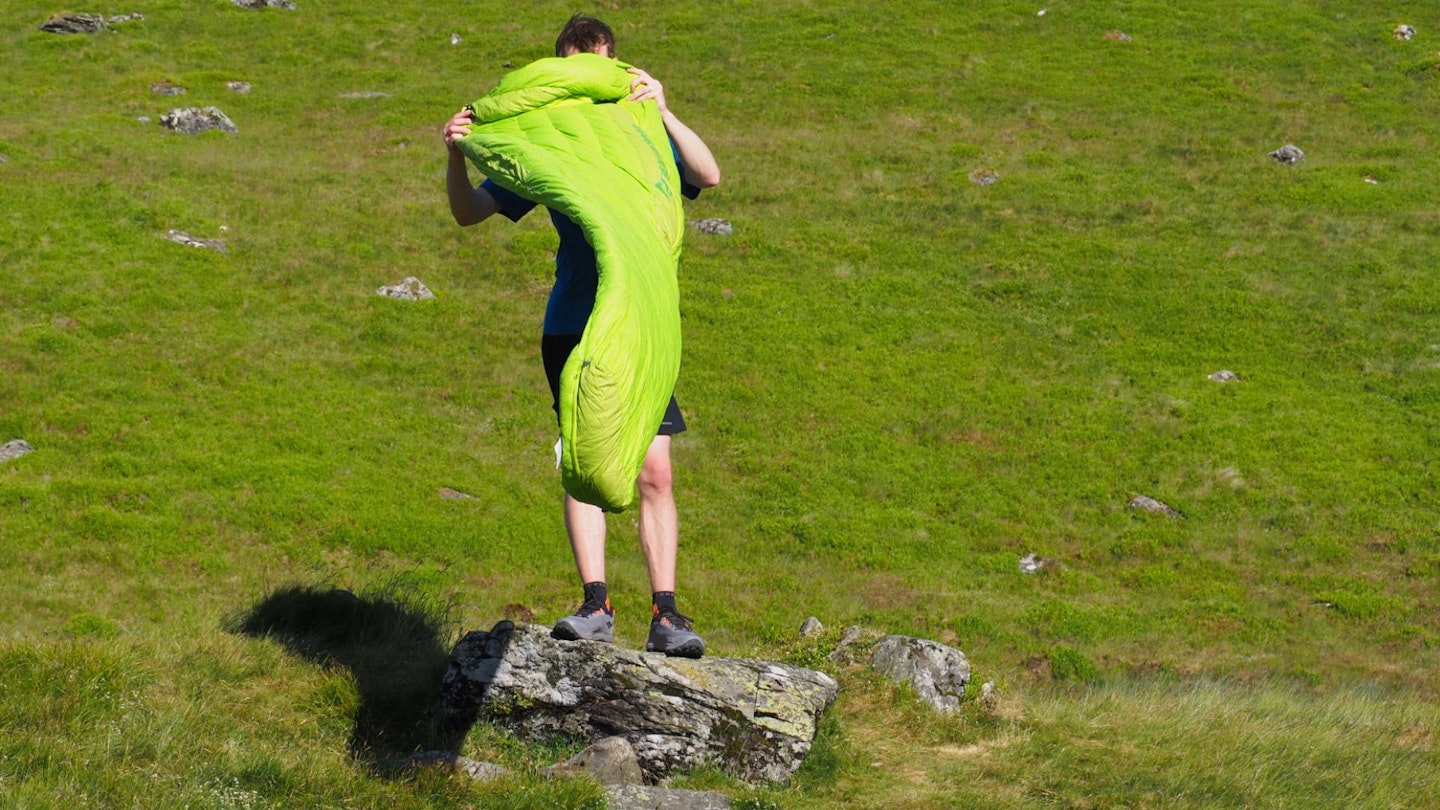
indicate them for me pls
(641, 797)
(1372, 179)
(144, 119)
(1033, 563)
(1042, 12)
(714, 227)
(1404, 33)
(192, 120)
(984, 177)
(238, 87)
(1116, 35)
(167, 88)
(454, 494)
(15, 448)
(611, 761)
(364, 94)
(182, 238)
(754, 719)
(4, 160)
(987, 695)
(451, 761)
(409, 289)
(1288, 155)
(849, 637)
(1223, 376)
(455, 39)
(85, 23)
(74, 24)
(936, 672)
(507, 63)
(812, 627)
(285, 4)
(1144, 503)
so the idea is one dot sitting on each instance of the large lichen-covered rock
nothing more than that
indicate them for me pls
(754, 719)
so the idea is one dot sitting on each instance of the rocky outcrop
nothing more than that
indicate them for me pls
(754, 719)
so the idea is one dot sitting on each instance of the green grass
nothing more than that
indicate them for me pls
(898, 383)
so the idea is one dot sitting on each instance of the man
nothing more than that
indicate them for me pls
(569, 307)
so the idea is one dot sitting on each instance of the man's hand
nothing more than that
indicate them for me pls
(456, 128)
(646, 86)
(697, 164)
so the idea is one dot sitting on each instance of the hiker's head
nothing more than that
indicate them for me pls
(585, 35)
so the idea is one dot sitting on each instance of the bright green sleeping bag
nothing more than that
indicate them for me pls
(559, 132)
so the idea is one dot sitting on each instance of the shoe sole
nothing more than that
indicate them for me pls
(563, 632)
(694, 648)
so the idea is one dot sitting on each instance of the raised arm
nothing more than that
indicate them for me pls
(701, 169)
(468, 204)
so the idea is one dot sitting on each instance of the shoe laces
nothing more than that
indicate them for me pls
(675, 619)
(590, 607)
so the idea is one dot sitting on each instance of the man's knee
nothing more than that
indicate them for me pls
(656, 474)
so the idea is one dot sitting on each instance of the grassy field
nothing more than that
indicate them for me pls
(898, 383)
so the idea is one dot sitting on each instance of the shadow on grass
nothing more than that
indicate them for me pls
(395, 648)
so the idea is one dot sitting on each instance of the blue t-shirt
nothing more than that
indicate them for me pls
(576, 275)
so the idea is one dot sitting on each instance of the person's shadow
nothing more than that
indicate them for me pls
(397, 653)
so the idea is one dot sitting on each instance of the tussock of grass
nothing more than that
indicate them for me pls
(1134, 743)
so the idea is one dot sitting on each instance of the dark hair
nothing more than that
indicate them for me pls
(585, 35)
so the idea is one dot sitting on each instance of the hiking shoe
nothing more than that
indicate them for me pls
(670, 633)
(592, 622)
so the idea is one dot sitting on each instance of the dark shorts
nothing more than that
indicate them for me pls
(555, 350)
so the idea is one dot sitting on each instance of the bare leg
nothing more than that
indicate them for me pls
(593, 621)
(659, 522)
(670, 633)
(586, 526)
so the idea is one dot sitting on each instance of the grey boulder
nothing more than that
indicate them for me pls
(754, 719)
(936, 672)
(15, 448)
